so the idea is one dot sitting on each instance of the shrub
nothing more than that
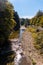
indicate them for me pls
(38, 38)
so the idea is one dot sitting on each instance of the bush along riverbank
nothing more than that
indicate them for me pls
(37, 34)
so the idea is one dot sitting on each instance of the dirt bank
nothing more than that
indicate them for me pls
(30, 52)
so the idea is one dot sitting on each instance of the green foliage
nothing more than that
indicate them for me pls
(37, 34)
(17, 19)
(39, 40)
(31, 29)
(22, 21)
(7, 58)
(33, 62)
(14, 34)
(39, 13)
(38, 19)
(6, 21)
(25, 22)
(38, 43)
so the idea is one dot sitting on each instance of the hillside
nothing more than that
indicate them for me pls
(29, 49)
(37, 20)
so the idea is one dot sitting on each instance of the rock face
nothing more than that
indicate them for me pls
(30, 52)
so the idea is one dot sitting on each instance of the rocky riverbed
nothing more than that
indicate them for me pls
(20, 58)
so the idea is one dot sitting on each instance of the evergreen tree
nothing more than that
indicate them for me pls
(7, 24)
(6, 21)
(17, 19)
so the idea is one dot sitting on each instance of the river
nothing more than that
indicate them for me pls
(16, 46)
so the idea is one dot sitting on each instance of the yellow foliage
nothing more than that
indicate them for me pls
(31, 29)
(14, 34)
(34, 35)
(38, 38)
(37, 46)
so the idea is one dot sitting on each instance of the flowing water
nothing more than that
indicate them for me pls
(17, 48)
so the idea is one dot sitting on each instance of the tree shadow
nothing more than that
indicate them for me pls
(6, 53)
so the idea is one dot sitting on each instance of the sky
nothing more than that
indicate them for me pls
(27, 8)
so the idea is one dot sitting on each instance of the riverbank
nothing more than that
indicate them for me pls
(30, 52)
